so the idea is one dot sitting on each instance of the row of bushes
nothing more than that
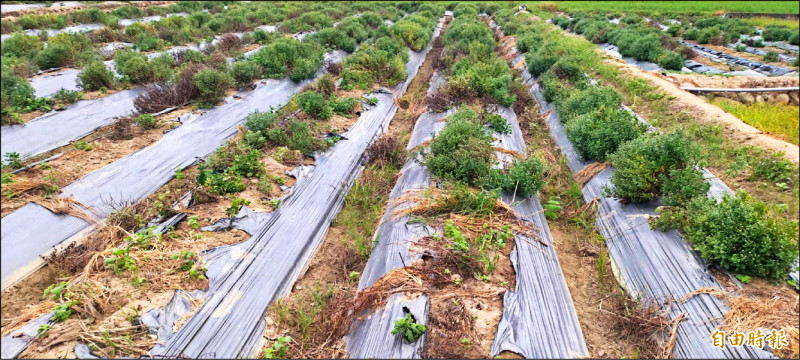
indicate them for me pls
(463, 152)
(737, 234)
(110, 18)
(643, 43)
(383, 60)
(472, 67)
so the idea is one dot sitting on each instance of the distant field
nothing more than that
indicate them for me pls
(686, 7)
(779, 120)
(764, 21)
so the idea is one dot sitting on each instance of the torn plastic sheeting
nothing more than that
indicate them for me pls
(540, 281)
(57, 129)
(230, 323)
(160, 321)
(16, 342)
(755, 65)
(541, 302)
(134, 177)
(378, 326)
(128, 22)
(246, 220)
(761, 52)
(651, 265)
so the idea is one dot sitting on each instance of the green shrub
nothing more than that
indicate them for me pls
(146, 121)
(525, 177)
(597, 134)
(95, 75)
(254, 139)
(646, 48)
(462, 150)
(682, 186)
(585, 101)
(776, 33)
(163, 67)
(260, 122)
(247, 165)
(65, 96)
(135, 67)
(771, 56)
(740, 236)
(498, 123)
(287, 56)
(794, 39)
(244, 72)
(21, 45)
(671, 61)
(332, 39)
(224, 183)
(53, 56)
(301, 138)
(408, 329)
(212, 85)
(314, 104)
(264, 37)
(643, 164)
(380, 62)
(344, 106)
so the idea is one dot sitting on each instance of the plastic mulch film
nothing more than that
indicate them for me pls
(132, 178)
(655, 267)
(58, 128)
(540, 304)
(17, 341)
(244, 279)
(733, 59)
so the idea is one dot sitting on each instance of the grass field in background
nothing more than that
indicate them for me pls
(764, 21)
(683, 7)
(779, 120)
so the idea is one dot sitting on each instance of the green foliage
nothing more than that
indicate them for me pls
(212, 85)
(408, 328)
(382, 62)
(54, 291)
(83, 145)
(63, 311)
(247, 165)
(314, 104)
(224, 183)
(146, 121)
(22, 46)
(120, 260)
(236, 205)
(671, 61)
(498, 123)
(525, 177)
(462, 150)
(65, 96)
(597, 134)
(13, 161)
(244, 72)
(643, 164)
(278, 348)
(681, 186)
(289, 57)
(333, 39)
(739, 235)
(95, 75)
(771, 56)
(588, 100)
(345, 106)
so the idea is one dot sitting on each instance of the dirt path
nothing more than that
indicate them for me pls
(731, 82)
(740, 132)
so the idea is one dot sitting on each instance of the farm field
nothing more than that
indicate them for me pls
(406, 179)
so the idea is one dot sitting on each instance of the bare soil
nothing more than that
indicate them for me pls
(734, 82)
(12, 15)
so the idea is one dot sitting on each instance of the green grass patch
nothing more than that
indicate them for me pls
(778, 120)
(674, 7)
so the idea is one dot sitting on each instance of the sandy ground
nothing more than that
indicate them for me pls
(725, 82)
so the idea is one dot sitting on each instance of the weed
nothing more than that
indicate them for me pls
(55, 291)
(408, 328)
(146, 121)
(236, 204)
(278, 348)
(743, 278)
(42, 330)
(194, 222)
(83, 145)
(372, 101)
(13, 160)
(354, 275)
(178, 174)
(551, 209)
